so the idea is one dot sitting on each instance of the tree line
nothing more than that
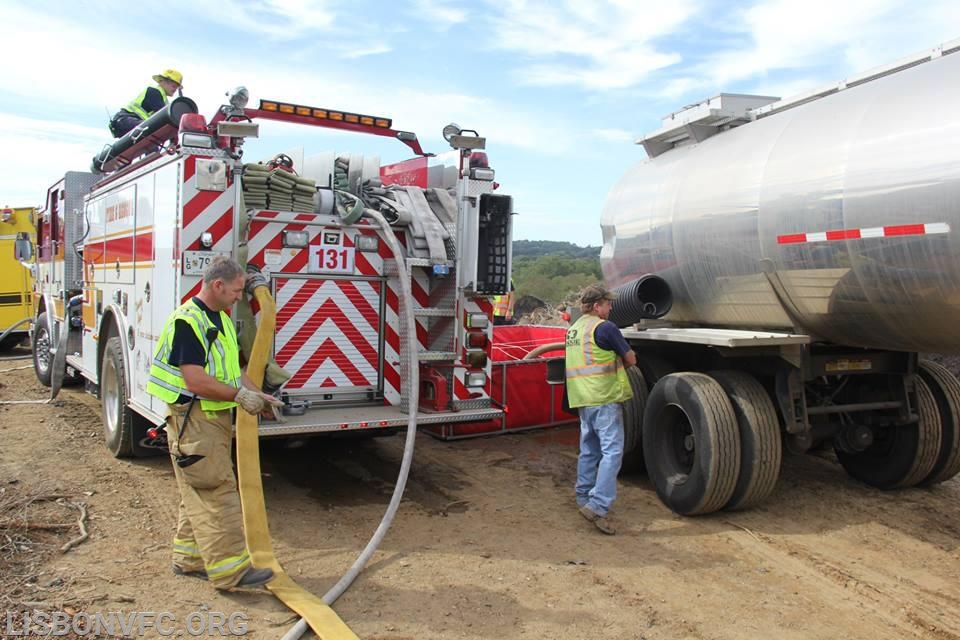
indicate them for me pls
(553, 271)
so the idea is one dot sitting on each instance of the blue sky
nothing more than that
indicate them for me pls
(560, 89)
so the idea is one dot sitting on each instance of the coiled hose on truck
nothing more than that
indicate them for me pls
(316, 612)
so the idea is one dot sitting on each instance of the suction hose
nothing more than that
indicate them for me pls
(413, 377)
(646, 297)
(14, 326)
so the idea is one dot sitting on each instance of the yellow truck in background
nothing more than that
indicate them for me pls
(17, 236)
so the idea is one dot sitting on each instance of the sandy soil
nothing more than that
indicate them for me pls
(487, 544)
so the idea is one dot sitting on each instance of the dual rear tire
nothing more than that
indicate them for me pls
(711, 441)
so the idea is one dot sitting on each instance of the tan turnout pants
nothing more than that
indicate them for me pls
(210, 525)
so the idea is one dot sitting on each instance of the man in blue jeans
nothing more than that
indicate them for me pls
(596, 361)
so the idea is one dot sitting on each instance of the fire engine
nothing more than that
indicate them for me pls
(16, 231)
(121, 246)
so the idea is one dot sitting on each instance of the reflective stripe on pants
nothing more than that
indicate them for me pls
(210, 519)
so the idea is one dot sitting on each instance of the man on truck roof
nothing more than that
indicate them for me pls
(150, 100)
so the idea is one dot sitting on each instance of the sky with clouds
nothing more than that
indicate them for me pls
(561, 89)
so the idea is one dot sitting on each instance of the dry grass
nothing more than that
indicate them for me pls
(34, 525)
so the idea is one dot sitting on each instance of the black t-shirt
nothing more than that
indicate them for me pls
(153, 101)
(187, 348)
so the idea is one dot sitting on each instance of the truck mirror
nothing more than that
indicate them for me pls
(22, 247)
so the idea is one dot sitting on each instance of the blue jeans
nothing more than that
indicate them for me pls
(601, 451)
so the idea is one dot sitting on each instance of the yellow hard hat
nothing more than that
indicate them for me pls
(170, 74)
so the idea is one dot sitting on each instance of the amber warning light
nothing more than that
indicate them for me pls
(325, 114)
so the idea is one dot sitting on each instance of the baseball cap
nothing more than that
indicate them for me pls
(596, 293)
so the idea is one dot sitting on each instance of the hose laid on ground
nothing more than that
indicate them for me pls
(323, 620)
(406, 300)
(14, 326)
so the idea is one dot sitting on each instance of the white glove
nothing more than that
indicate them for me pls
(250, 401)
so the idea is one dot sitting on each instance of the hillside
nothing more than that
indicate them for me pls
(538, 248)
(552, 271)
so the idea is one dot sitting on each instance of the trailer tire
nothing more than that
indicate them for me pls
(946, 392)
(633, 423)
(40, 344)
(123, 428)
(760, 448)
(691, 443)
(900, 456)
(653, 368)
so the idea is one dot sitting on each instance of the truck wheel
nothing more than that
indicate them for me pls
(653, 368)
(900, 456)
(123, 429)
(946, 393)
(41, 344)
(633, 423)
(760, 449)
(691, 443)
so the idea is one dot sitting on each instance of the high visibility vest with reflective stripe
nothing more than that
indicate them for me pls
(595, 376)
(223, 357)
(503, 306)
(136, 107)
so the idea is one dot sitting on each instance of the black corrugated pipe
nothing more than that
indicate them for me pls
(169, 115)
(646, 297)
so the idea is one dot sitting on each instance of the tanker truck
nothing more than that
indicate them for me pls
(811, 249)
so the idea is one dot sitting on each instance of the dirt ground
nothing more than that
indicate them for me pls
(487, 543)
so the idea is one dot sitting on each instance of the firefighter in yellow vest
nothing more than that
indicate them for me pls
(596, 359)
(196, 371)
(503, 307)
(150, 100)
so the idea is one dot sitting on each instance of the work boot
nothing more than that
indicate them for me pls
(600, 522)
(254, 578)
(180, 571)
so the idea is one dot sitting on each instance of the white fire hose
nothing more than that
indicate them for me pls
(406, 300)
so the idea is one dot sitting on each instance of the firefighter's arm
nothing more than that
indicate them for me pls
(202, 384)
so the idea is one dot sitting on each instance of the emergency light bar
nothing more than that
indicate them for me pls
(325, 114)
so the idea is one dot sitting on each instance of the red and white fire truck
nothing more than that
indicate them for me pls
(120, 247)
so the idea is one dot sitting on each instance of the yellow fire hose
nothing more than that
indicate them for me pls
(321, 618)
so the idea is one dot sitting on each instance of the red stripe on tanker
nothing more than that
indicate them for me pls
(890, 231)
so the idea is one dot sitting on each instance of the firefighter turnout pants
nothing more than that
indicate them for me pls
(210, 527)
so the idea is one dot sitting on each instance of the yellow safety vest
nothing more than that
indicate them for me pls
(136, 107)
(503, 305)
(595, 376)
(223, 358)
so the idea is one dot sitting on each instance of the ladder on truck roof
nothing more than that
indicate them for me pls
(701, 120)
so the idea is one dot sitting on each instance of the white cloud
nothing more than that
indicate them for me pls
(595, 44)
(442, 14)
(614, 135)
(369, 51)
(275, 19)
(38, 153)
(786, 34)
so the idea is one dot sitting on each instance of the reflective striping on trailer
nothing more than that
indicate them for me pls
(919, 229)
